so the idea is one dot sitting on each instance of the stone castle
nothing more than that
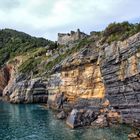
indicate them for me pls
(67, 38)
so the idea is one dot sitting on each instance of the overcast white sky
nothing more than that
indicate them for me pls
(45, 18)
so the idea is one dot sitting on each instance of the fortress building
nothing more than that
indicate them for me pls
(64, 39)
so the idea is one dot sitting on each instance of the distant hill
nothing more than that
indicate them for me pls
(13, 43)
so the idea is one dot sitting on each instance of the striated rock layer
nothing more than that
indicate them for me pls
(26, 91)
(21, 88)
(107, 71)
(120, 68)
(79, 76)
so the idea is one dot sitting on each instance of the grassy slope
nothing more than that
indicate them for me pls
(13, 43)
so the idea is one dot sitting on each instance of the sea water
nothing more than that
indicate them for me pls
(33, 122)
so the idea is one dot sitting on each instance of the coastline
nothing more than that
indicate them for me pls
(44, 124)
(133, 132)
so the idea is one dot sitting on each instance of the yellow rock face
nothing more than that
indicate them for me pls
(83, 82)
(81, 77)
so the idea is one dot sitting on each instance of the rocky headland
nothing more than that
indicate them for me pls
(91, 80)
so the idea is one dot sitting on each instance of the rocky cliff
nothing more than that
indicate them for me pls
(19, 56)
(79, 76)
(26, 91)
(4, 77)
(97, 76)
(19, 88)
(103, 72)
(120, 68)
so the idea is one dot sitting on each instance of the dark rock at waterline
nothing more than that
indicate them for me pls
(61, 115)
(101, 121)
(1, 99)
(71, 120)
(80, 117)
(93, 112)
(134, 135)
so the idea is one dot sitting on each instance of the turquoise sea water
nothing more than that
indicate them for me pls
(33, 122)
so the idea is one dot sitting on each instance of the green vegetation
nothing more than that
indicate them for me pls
(35, 59)
(119, 31)
(14, 43)
(61, 57)
(30, 65)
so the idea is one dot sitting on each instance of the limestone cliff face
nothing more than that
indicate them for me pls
(79, 76)
(20, 88)
(26, 91)
(110, 71)
(120, 68)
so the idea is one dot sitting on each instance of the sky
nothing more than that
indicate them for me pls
(47, 18)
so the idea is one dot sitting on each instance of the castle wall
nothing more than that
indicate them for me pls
(64, 39)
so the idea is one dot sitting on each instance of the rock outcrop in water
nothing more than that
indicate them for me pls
(27, 91)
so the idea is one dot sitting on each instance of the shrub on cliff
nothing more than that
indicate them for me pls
(30, 65)
(119, 31)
